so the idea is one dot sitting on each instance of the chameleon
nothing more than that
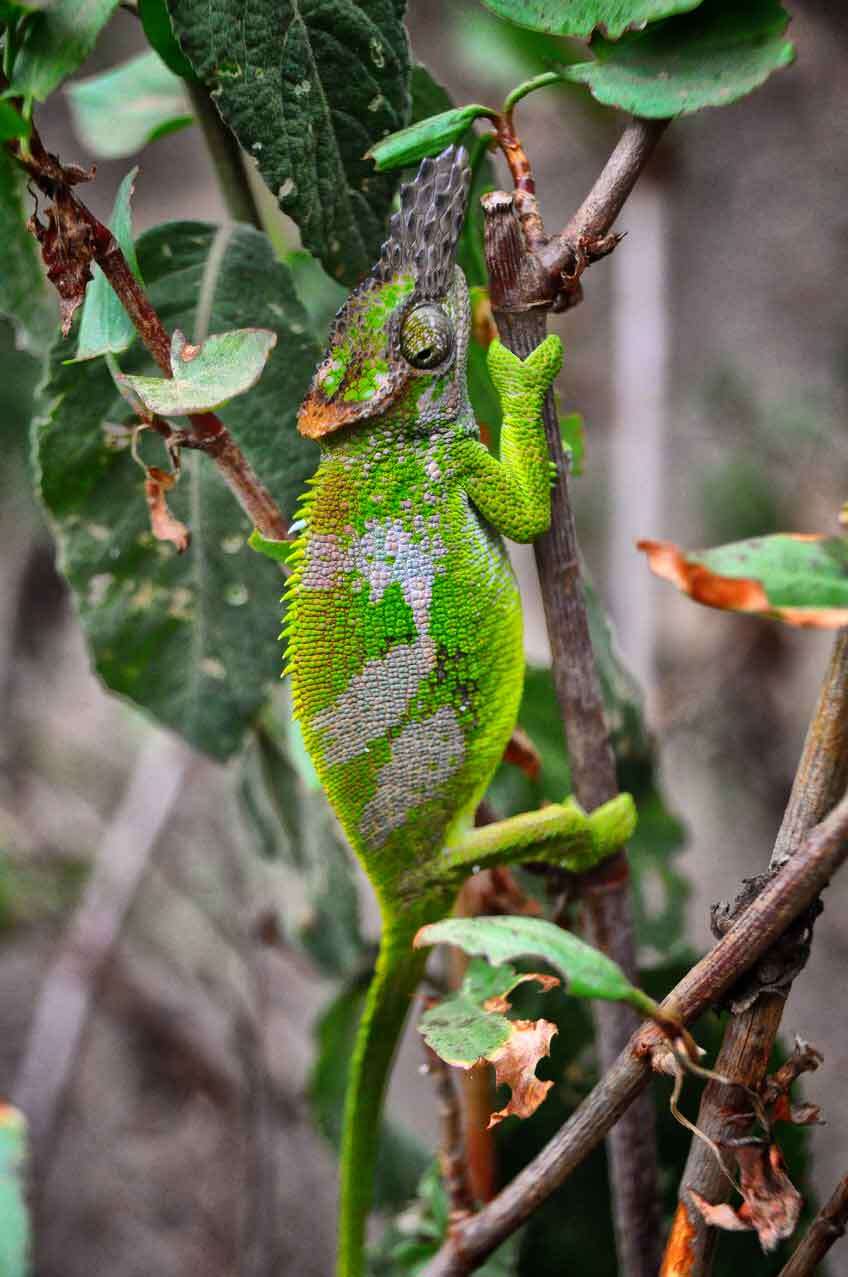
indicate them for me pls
(403, 620)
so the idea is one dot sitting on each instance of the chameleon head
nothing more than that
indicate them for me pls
(399, 342)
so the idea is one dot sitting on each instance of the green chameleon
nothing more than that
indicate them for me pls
(404, 621)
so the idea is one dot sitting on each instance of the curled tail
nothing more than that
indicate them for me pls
(399, 970)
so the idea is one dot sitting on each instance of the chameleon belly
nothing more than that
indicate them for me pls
(405, 646)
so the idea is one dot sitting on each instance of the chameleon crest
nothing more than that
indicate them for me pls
(401, 336)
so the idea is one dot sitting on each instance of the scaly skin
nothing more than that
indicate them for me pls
(404, 621)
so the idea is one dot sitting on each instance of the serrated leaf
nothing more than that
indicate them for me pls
(105, 327)
(426, 137)
(14, 1219)
(708, 58)
(56, 42)
(120, 111)
(797, 578)
(23, 294)
(191, 639)
(306, 91)
(156, 22)
(206, 376)
(587, 972)
(582, 17)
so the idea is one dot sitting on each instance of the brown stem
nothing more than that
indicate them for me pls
(451, 1144)
(97, 243)
(749, 1037)
(785, 896)
(827, 1227)
(517, 289)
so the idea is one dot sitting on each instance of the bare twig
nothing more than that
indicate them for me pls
(750, 1035)
(65, 1004)
(451, 1143)
(827, 1227)
(80, 239)
(785, 896)
(522, 291)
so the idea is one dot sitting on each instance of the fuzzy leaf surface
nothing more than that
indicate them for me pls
(582, 17)
(120, 111)
(799, 579)
(223, 366)
(105, 327)
(711, 57)
(307, 90)
(192, 638)
(57, 41)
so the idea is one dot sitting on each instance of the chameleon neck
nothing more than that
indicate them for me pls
(399, 970)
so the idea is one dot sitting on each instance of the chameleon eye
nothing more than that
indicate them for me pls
(426, 338)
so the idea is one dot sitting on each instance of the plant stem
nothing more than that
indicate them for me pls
(226, 156)
(749, 1037)
(827, 1227)
(522, 321)
(529, 86)
(792, 889)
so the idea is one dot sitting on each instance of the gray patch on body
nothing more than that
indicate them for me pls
(424, 758)
(374, 700)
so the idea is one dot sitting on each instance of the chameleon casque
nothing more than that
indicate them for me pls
(404, 622)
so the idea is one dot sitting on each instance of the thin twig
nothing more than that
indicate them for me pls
(83, 234)
(67, 997)
(827, 1227)
(521, 298)
(785, 896)
(451, 1141)
(750, 1035)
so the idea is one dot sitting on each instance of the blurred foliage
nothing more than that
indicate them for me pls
(14, 1219)
(120, 111)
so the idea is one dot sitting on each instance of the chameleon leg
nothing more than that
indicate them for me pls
(399, 970)
(561, 834)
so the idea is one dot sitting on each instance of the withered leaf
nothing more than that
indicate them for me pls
(163, 524)
(515, 1064)
(771, 1203)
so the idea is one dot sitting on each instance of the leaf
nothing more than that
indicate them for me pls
(771, 1204)
(23, 294)
(470, 1026)
(708, 58)
(55, 42)
(588, 972)
(797, 578)
(294, 828)
(208, 375)
(105, 327)
(426, 137)
(12, 123)
(120, 111)
(401, 1159)
(574, 438)
(156, 22)
(279, 551)
(582, 17)
(191, 639)
(306, 91)
(14, 1219)
(163, 525)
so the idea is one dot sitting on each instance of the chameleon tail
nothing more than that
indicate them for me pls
(399, 970)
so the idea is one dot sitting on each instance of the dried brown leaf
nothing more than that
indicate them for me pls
(515, 1064)
(722, 1215)
(773, 1201)
(522, 753)
(67, 247)
(164, 526)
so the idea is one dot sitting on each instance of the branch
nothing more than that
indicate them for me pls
(750, 1035)
(792, 889)
(451, 1143)
(523, 287)
(72, 239)
(827, 1227)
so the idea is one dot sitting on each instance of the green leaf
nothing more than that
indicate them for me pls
(12, 123)
(582, 17)
(23, 294)
(105, 327)
(426, 137)
(293, 826)
(708, 58)
(588, 972)
(402, 1159)
(55, 42)
(190, 638)
(156, 22)
(279, 551)
(574, 437)
(798, 578)
(206, 376)
(306, 91)
(14, 1219)
(120, 111)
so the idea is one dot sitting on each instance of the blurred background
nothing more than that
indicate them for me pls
(710, 362)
